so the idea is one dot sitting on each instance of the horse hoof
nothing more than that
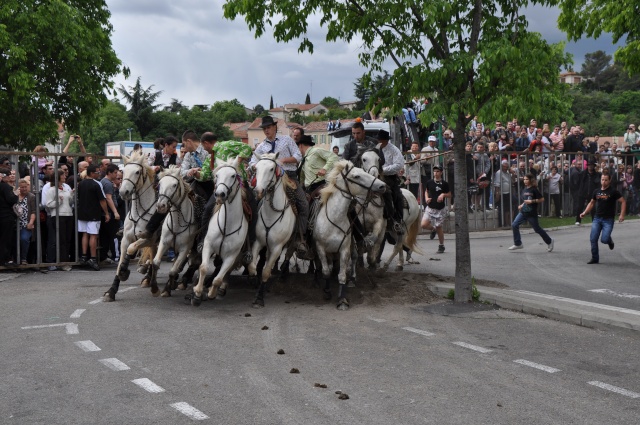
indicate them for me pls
(165, 294)
(343, 305)
(351, 284)
(145, 283)
(196, 301)
(399, 268)
(123, 274)
(182, 286)
(143, 269)
(222, 292)
(258, 304)
(156, 293)
(107, 297)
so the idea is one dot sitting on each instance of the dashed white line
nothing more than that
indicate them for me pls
(87, 346)
(537, 366)
(418, 331)
(52, 325)
(76, 314)
(148, 385)
(473, 347)
(376, 319)
(114, 364)
(72, 329)
(615, 294)
(98, 301)
(579, 302)
(190, 411)
(127, 289)
(618, 390)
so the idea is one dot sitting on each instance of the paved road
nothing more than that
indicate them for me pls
(563, 272)
(70, 359)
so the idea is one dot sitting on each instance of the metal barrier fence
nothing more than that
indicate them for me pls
(45, 219)
(493, 207)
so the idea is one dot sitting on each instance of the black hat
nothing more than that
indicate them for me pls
(306, 140)
(437, 167)
(267, 121)
(4, 159)
(383, 135)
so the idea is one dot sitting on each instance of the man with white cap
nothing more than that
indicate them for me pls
(437, 190)
(427, 165)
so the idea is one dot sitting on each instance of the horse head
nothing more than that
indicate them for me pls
(171, 189)
(369, 161)
(352, 180)
(227, 181)
(267, 172)
(135, 174)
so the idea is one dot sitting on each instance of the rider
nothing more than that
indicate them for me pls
(224, 151)
(358, 138)
(190, 169)
(315, 164)
(288, 158)
(393, 199)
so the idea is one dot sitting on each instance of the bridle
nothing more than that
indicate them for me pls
(236, 184)
(179, 188)
(270, 192)
(176, 205)
(138, 195)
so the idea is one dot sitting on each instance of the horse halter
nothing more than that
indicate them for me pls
(179, 188)
(143, 176)
(236, 183)
(273, 181)
(345, 176)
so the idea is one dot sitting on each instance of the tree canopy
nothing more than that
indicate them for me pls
(57, 63)
(142, 105)
(472, 58)
(230, 110)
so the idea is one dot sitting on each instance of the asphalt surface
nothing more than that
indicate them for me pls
(398, 363)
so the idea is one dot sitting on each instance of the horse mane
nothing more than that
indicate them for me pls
(331, 179)
(140, 158)
(174, 171)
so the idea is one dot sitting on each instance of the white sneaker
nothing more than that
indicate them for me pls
(514, 247)
(550, 246)
(577, 223)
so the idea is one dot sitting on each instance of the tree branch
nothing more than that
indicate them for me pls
(475, 29)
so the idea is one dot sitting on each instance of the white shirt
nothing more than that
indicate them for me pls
(393, 160)
(45, 190)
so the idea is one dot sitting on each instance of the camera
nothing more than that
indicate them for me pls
(76, 137)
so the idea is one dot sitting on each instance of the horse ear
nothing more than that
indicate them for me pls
(277, 154)
(125, 159)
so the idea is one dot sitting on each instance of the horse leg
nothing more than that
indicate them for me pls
(327, 267)
(345, 257)
(396, 249)
(221, 273)
(194, 262)
(129, 250)
(173, 274)
(400, 265)
(196, 299)
(110, 295)
(261, 260)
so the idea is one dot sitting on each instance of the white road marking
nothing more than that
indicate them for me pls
(53, 325)
(537, 366)
(87, 346)
(615, 294)
(376, 320)
(76, 314)
(114, 364)
(585, 303)
(98, 301)
(148, 385)
(8, 276)
(127, 289)
(473, 347)
(72, 329)
(190, 411)
(419, 331)
(614, 389)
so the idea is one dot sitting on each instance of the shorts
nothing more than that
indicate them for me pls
(436, 217)
(90, 227)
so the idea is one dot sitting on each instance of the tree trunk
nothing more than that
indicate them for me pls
(463, 250)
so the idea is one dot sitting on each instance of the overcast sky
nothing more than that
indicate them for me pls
(189, 51)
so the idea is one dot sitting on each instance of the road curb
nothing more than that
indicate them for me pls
(583, 313)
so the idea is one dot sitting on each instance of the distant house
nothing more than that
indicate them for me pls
(285, 112)
(350, 105)
(239, 130)
(318, 130)
(571, 78)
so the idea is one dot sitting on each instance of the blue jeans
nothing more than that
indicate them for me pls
(533, 221)
(409, 115)
(25, 241)
(600, 225)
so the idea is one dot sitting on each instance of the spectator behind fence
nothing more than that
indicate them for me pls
(27, 201)
(92, 204)
(109, 228)
(59, 205)
(7, 217)
(82, 167)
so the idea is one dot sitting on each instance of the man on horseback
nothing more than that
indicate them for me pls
(358, 139)
(393, 199)
(190, 169)
(288, 159)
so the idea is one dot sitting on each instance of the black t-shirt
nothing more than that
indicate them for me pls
(606, 202)
(435, 189)
(530, 193)
(90, 194)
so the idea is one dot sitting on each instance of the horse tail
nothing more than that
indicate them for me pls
(146, 256)
(411, 240)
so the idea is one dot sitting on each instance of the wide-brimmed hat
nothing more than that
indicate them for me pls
(267, 121)
(383, 135)
(306, 140)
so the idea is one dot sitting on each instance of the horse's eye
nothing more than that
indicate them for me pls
(364, 159)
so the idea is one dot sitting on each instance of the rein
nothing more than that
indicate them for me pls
(176, 207)
(271, 188)
(137, 196)
(230, 199)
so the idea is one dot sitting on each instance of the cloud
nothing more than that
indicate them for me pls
(191, 53)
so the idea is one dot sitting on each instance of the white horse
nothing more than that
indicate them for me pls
(276, 219)
(370, 209)
(332, 230)
(411, 224)
(227, 231)
(179, 228)
(137, 187)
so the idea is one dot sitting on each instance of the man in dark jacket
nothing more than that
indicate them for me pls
(589, 181)
(358, 139)
(7, 218)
